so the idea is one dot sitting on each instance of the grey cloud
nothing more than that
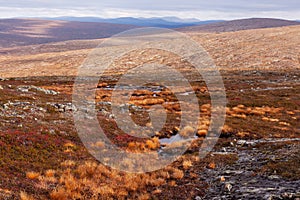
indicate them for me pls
(221, 8)
(230, 5)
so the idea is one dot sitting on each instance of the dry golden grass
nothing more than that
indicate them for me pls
(5, 191)
(242, 116)
(153, 101)
(144, 197)
(69, 145)
(25, 196)
(269, 119)
(99, 144)
(226, 129)
(222, 179)
(239, 110)
(202, 133)
(91, 180)
(68, 163)
(44, 180)
(187, 131)
(178, 174)
(58, 194)
(230, 51)
(212, 165)
(187, 164)
(290, 112)
(50, 173)
(148, 145)
(153, 143)
(242, 134)
(258, 111)
(242, 111)
(284, 124)
(131, 145)
(32, 175)
(172, 183)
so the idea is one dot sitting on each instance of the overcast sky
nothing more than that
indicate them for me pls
(200, 9)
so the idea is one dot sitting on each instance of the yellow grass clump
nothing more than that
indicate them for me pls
(290, 112)
(270, 119)
(226, 129)
(202, 132)
(222, 179)
(242, 116)
(91, 180)
(68, 163)
(242, 134)
(69, 145)
(172, 183)
(175, 173)
(32, 175)
(284, 124)
(178, 174)
(99, 144)
(187, 131)
(228, 111)
(25, 196)
(144, 197)
(187, 164)
(50, 173)
(59, 194)
(212, 165)
(258, 111)
(205, 108)
(152, 101)
(239, 110)
(153, 143)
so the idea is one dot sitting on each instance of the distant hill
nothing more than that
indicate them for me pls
(242, 24)
(20, 32)
(164, 22)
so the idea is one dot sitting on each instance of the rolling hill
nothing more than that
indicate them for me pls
(21, 32)
(241, 24)
(258, 49)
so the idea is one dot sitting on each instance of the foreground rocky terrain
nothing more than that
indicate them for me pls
(257, 161)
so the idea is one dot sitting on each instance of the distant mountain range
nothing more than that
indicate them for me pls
(164, 22)
(240, 24)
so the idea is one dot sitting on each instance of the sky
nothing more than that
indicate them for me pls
(199, 9)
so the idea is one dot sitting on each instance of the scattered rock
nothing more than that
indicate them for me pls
(67, 107)
(241, 142)
(273, 177)
(228, 187)
(245, 182)
(28, 88)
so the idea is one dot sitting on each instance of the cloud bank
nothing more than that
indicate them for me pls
(203, 10)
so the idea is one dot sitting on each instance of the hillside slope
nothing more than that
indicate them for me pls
(20, 32)
(242, 50)
(241, 24)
